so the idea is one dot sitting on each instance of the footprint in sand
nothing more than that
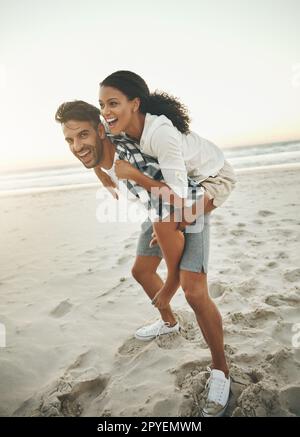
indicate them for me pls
(271, 264)
(217, 289)
(188, 370)
(282, 255)
(245, 266)
(170, 341)
(255, 242)
(71, 403)
(218, 223)
(292, 275)
(289, 398)
(265, 213)
(68, 397)
(71, 394)
(282, 232)
(283, 333)
(253, 319)
(62, 309)
(238, 232)
(132, 347)
(124, 259)
(278, 300)
(129, 246)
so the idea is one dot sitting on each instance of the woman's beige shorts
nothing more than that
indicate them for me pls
(220, 186)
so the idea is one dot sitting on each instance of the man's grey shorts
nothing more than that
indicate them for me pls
(196, 248)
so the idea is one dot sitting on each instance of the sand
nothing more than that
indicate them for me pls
(71, 307)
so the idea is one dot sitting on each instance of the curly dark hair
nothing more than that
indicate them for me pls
(157, 103)
(78, 110)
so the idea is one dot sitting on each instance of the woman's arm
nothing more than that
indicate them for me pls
(159, 189)
(124, 170)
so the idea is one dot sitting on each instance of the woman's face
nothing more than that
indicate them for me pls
(117, 109)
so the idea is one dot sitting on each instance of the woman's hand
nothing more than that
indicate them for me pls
(182, 225)
(124, 170)
(161, 300)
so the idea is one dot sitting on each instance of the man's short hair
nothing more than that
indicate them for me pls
(78, 110)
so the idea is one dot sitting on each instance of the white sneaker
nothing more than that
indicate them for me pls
(155, 330)
(216, 395)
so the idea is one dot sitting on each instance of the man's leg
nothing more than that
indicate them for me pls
(144, 272)
(207, 314)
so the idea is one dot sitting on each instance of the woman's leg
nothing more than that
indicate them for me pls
(171, 242)
(207, 314)
(203, 206)
(190, 214)
(144, 272)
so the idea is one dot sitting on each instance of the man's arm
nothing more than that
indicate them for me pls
(107, 181)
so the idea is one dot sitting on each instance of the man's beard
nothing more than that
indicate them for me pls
(97, 152)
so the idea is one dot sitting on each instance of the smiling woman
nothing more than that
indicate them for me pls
(159, 123)
(124, 94)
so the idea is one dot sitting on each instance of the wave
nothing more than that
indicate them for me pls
(246, 157)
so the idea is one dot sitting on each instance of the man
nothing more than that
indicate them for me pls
(88, 141)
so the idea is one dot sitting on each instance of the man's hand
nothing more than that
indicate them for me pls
(161, 301)
(124, 170)
(154, 240)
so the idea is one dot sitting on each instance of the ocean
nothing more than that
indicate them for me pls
(246, 157)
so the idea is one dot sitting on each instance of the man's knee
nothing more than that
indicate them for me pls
(195, 291)
(137, 273)
(141, 270)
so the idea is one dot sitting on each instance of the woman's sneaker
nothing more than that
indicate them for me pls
(216, 395)
(155, 330)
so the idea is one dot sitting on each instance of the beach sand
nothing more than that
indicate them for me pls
(70, 308)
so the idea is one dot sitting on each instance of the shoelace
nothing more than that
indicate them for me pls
(160, 328)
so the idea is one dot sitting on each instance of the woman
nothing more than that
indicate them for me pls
(160, 124)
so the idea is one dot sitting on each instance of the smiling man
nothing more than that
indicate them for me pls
(83, 131)
(88, 141)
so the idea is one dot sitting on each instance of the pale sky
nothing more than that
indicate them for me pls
(234, 63)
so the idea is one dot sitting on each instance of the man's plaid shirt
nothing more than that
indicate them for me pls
(157, 209)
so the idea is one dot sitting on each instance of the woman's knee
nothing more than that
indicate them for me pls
(136, 272)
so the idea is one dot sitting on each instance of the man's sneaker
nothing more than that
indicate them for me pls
(216, 394)
(155, 330)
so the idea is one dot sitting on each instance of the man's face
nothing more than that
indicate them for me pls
(84, 141)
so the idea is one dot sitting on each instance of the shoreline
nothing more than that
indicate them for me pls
(29, 191)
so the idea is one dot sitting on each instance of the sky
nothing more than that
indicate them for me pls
(235, 64)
